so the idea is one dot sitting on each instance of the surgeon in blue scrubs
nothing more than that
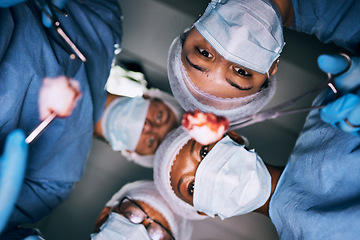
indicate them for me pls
(30, 51)
(226, 62)
(316, 196)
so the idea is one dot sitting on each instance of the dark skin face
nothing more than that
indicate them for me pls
(210, 72)
(184, 168)
(183, 171)
(151, 212)
(160, 120)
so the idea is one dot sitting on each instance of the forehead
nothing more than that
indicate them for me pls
(157, 103)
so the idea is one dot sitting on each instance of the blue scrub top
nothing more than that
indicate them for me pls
(336, 21)
(28, 53)
(318, 194)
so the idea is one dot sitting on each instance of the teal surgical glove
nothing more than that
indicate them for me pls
(12, 170)
(8, 3)
(334, 64)
(60, 4)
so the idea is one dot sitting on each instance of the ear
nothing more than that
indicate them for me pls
(274, 67)
(103, 216)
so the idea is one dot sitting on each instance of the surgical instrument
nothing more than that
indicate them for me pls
(278, 110)
(57, 26)
(40, 128)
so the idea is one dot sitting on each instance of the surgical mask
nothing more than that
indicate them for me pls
(248, 33)
(123, 122)
(118, 227)
(231, 181)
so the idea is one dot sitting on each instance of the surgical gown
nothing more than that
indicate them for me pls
(28, 53)
(318, 194)
(330, 21)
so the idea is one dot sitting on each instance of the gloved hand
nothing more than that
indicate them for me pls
(59, 4)
(12, 169)
(8, 3)
(344, 113)
(335, 64)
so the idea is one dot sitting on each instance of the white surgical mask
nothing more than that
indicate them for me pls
(123, 122)
(248, 33)
(117, 227)
(231, 181)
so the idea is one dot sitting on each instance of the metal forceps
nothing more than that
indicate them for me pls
(278, 110)
(56, 25)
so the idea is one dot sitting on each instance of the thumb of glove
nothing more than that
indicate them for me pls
(60, 4)
(333, 63)
(12, 170)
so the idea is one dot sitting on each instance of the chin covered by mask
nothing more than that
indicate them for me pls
(119, 227)
(146, 192)
(123, 122)
(231, 181)
(133, 121)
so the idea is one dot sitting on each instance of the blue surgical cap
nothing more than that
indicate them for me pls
(248, 33)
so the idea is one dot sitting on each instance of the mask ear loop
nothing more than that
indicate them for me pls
(277, 63)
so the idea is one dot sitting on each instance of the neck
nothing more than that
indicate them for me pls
(286, 11)
(97, 128)
(275, 173)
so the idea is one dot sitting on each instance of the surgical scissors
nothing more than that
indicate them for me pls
(279, 110)
(56, 25)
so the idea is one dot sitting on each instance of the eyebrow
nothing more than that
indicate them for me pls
(237, 86)
(197, 67)
(201, 69)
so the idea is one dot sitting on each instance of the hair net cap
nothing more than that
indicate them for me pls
(143, 160)
(232, 108)
(123, 122)
(146, 191)
(164, 159)
(248, 33)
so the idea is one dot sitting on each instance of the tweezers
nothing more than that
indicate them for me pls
(279, 110)
(57, 26)
(39, 129)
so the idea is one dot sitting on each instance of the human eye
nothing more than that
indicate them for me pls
(204, 151)
(242, 72)
(159, 117)
(205, 53)
(190, 188)
(151, 141)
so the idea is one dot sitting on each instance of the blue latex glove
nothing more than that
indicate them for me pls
(347, 107)
(45, 19)
(8, 3)
(12, 170)
(335, 64)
